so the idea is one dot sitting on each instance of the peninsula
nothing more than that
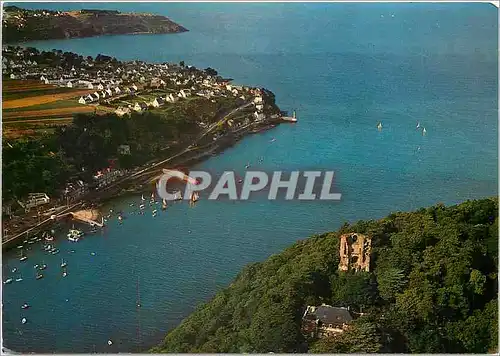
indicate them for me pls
(81, 129)
(20, 25)
(413, 282)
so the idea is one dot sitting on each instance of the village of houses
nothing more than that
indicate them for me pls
(124, 87)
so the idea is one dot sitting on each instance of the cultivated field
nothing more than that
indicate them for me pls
(30, 107)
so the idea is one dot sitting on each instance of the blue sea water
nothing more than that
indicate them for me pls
(344, 67)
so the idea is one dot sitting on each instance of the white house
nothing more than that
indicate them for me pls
(82, 100)
(259, 107)
(140, 107)
(158, 102)
(69, 84)
(122, 111)
(100, 86)
(110, 93)
(96, 94)
(12, 76)
(90, 97)
(259, 116)
(43, 79)
(185, 93)
(134, 87)
(117, 90)
(257, 100)
(90, 86)
(171, 99)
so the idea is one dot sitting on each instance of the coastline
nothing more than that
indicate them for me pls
(142, 184)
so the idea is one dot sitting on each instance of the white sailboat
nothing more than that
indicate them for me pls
(424, 131)
(194, 197)
(418, 125)
(164, 204)
(379, 126)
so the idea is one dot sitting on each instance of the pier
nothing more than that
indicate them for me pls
(88, 216)
(292, 118)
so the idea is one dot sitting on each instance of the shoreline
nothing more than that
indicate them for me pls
(136, 185)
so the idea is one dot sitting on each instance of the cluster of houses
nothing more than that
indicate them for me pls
(106, 94)
(114, 79)
(107, 176)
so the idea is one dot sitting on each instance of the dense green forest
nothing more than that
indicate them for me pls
(432, 289)
(77, 151)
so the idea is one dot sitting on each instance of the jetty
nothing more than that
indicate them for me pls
(88, 216)
(292, 118)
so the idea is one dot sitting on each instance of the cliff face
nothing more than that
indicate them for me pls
(25, 25)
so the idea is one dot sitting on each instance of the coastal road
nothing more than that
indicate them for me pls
(141, 171)
(27, 231)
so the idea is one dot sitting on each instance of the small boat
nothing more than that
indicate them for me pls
(110, 342)
(64, 274)
(424, 131)
(142, 197)
(247, 165)
(164, 204)
(63, 263)
(49, 238)
(141, 206)
(379, 126)
(194, 197)
(55, 252)
(74, 235)
(120, 218)
(178, 195)
(92, 253)
(418, 125)
(23, 258)
(42, 267)
(131, 204)
(24, 320)
(36, 266)
(19, 279)
(14, 270)
(39, 276)
(273, 139)
(8, 281)
(25, 306)
(20, 246)
(30, 242)
(155, 211)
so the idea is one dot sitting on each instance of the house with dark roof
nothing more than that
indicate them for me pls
(324, 320)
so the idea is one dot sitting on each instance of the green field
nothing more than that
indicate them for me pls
(59, 104)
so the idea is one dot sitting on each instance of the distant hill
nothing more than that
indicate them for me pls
(432, 288)
(24, 25)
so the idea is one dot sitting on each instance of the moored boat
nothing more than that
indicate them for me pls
(74, 235)
(8, 281)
